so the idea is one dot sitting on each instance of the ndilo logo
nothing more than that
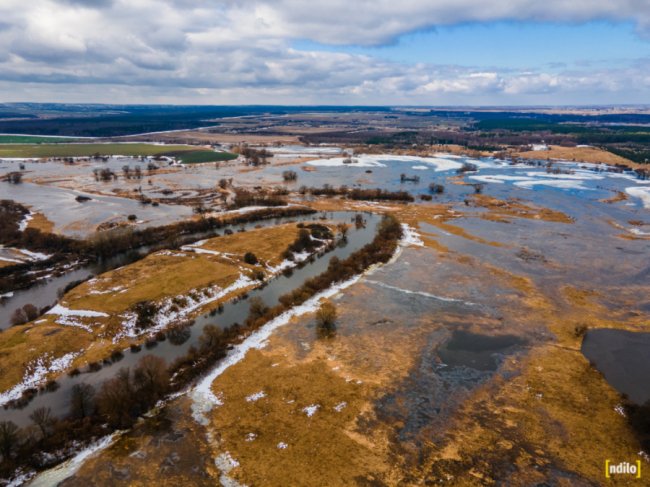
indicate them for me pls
(623, 468)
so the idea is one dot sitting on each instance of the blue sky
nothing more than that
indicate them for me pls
(508, 44)
(415, 52)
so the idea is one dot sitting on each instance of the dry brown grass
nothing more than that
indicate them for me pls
(619, 196)
(266, 243)
(519, 209)
(40, 222)
(579, 154)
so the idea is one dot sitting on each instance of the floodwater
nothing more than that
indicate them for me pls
(78, 219)
(436, 329)
(623, 357)
(62, 182)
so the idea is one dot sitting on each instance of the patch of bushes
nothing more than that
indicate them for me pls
(289, 176)
(377, 194)
(145, 312)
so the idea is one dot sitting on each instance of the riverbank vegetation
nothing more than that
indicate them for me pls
(358, 194)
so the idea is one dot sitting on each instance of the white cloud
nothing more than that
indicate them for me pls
(240, 51)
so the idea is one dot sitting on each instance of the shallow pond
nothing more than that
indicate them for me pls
(623, 357)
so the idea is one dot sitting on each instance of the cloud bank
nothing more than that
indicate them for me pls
(241, 51)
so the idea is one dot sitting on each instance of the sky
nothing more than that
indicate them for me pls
(347, 52)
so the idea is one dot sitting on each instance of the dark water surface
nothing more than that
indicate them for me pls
(623, 357)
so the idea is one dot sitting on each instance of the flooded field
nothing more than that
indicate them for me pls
(459, 359)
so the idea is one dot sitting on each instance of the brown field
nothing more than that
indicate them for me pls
(579, 154)
(40, 222)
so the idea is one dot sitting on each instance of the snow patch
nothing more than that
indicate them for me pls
(165, 315)
(256, 397)
(340, 406)
(61, 472)
(282, 445)
(642, 193)
(63, 311)
(36, 373)
(22, 226)
(411, 237)
(557, 183)
(311, 410)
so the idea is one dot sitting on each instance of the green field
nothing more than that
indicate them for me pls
(81, 150)
(198, 156)
(33, 139)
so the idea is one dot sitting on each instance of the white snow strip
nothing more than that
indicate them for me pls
(311, 410)
(7, 295)
(171, 254)
(256, 397)
(25, 221)
(411, 237)
(497, 178)
(166, 315)
(363, 160)
(61, 472)
(225, 462)
(63, 311)
(340, 406)
(420, 168)
(199, 250)
(36, 373)
(338, 161)
(581, 175)
(7, 259)
(108, 291)
(557, 183)
(34, 255)
(642, 193)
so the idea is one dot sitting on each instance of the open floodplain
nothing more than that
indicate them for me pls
(491, 319)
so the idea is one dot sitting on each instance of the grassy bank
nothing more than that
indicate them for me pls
(87, 150)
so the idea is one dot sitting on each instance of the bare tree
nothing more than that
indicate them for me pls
(8, 438)
(82, 402)
(42, 417)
